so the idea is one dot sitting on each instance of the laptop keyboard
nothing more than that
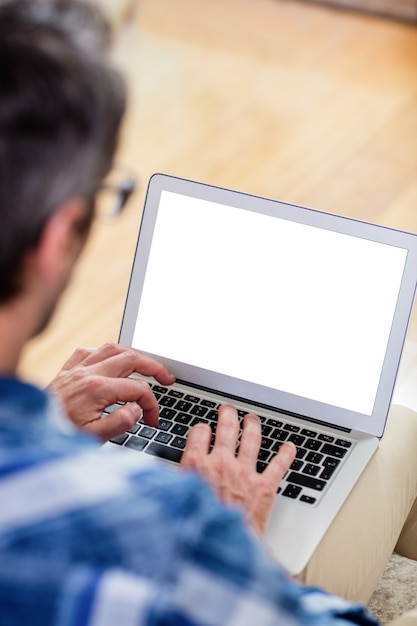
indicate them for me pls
(318, 458)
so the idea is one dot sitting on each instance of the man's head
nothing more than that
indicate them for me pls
(61, 104)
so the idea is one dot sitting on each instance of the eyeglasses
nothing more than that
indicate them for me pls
(115, 192)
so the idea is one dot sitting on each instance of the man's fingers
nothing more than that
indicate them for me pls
(114, 360)
(250, 440)
(116, 423)
(281, 462)
(113, 390)
(227, 429)
(78, 357)
(197, 446)
(104, 352)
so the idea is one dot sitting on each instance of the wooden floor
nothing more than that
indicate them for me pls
(298, 102)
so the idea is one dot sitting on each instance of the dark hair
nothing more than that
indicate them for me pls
(61, 105)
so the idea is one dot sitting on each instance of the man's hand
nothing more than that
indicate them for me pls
(93, 379)
(234, 476)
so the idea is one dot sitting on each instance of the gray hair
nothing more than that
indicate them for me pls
(61, 106)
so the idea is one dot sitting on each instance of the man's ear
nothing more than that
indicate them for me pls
(62, 240)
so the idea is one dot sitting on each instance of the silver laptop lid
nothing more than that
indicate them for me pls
(282, 305)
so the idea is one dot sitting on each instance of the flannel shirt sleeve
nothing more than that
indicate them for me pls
(154, 548)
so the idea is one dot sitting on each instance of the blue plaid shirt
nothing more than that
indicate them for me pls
(110, 538)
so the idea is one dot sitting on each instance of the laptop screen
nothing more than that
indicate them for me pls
(267, 305)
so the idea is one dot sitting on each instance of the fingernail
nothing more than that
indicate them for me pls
(292, 445)
(136, 410)
(253, 417)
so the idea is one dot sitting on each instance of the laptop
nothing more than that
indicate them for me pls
(295, 314)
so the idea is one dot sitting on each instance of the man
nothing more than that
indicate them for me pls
(88, 537)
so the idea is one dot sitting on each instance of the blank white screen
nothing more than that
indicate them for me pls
(274, 302)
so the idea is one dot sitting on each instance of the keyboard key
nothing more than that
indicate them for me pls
(292, 428)
(266, 430)
(326, 438)
(167, 413)
(334, 450)
(209, 403)
(198, 410)
(163, 437)
(175, 393)
(199, 420)
(314, 457)
(164, 424)
(306, 481)
(343, 442)
(164, 452)
(296, 465)
(212, 415)
(183, 418)
(308, 433)
(312, 444)
(137, 443)
(308, 499)
(134, 429)
(291, 491)
(182, 405)
(119, 438)
(274, 423)
(300, 453)
(311, 470)
(193, 399)
(297, 440)
(279, 434)
(266, 442)
(179, 442)
(330, 466)
(159, 389)
(331, 462)
(260, 466)
(167, 401)
(147, 432)
(179, 429)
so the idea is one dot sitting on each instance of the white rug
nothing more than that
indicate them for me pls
(397, 590)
